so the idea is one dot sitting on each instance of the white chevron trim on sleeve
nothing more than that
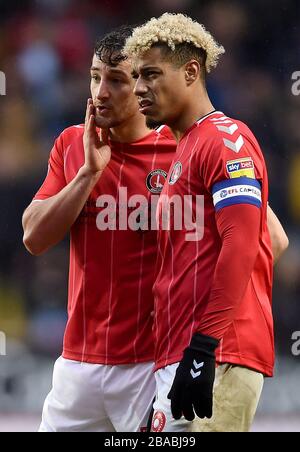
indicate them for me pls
(222, 118)
(235, 146)
(228, 121)
(230, 129)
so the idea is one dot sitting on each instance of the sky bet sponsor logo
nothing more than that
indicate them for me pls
(239, 168)
(239, 165)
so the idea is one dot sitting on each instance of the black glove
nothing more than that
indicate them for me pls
(192, 388)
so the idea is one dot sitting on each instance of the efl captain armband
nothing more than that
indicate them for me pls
(242, 190)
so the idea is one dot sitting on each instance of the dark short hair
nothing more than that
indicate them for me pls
(109, 48)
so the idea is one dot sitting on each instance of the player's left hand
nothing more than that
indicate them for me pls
(192, 389)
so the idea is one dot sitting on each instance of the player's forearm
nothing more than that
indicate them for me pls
(46, 223)
(239, 230)
(279, 239)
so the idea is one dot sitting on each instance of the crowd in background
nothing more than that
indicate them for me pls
(46, 48)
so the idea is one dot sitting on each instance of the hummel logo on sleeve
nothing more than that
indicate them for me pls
(222, 125)
(230, 130)
(235, 146)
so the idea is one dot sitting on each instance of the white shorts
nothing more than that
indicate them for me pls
(237, 391)
(163, 420)
(97, 398)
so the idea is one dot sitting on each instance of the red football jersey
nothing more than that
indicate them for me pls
(219, 161)
(112, 268)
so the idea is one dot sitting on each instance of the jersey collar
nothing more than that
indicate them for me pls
(200, 120)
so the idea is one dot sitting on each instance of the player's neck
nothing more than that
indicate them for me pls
(132, 130)
(192, 113)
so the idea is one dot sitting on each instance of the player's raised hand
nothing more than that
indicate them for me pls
(96, 150)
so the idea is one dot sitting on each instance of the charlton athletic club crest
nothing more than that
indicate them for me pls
(158, 422)
(176, 173)
(155, 180)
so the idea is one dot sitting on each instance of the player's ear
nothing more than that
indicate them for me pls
(192, 71)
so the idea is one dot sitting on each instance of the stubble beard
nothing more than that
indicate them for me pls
(152, 123)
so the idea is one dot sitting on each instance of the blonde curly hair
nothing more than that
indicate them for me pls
(173, 30)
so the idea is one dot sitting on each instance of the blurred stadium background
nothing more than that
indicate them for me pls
(45, 52)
